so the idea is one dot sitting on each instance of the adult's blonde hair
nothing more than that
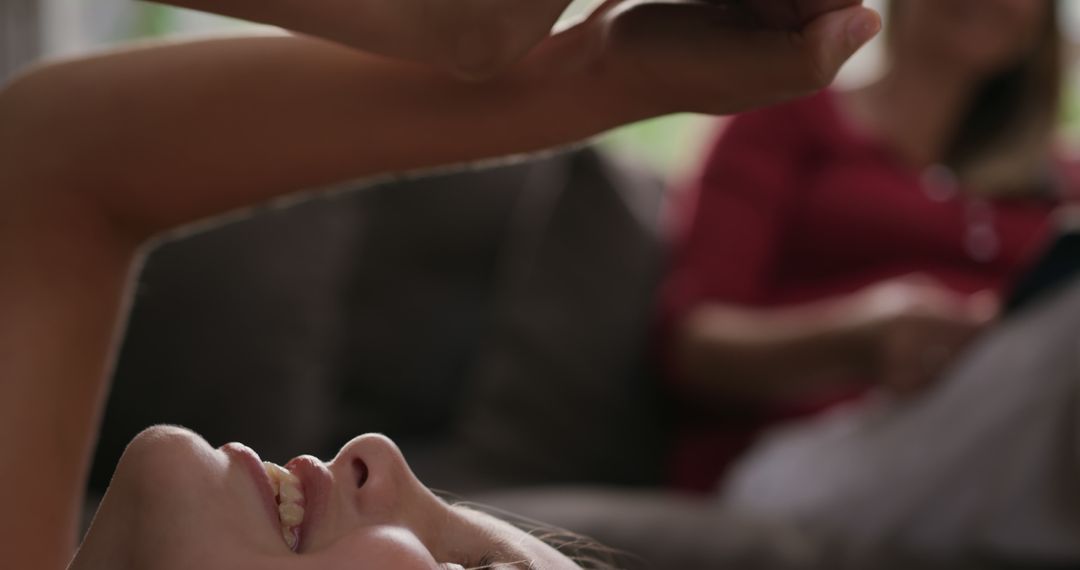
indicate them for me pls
(1003, 145)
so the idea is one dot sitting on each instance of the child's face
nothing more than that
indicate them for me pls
(177, 503)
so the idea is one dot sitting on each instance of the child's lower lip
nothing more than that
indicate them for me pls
(252, 465)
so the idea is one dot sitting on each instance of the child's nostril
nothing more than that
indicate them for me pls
(360, 469)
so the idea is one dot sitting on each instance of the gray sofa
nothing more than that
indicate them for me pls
(494, 322)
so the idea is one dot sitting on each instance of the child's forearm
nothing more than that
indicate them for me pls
(164, 136)
(472, 38)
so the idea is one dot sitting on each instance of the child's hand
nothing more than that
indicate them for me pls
(913, 328)
(715, 58)
(469, 38)
(791, 14)
(478, 38)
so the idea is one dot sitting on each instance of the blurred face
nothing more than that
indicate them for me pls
(983, 36)
(176, 503)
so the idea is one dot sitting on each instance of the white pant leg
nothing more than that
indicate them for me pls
(985, 464)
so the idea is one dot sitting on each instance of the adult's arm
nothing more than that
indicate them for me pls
(731, 351)
(719, 342)
(100, 154)
(722, 342)
(901, 334)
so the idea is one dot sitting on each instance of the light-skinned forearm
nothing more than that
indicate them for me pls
(725, 351)
(161, 137)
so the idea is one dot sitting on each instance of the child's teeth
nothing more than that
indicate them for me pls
(292, 514)
(290, 498)
(289, 492)
(290, 537)
(279, 473)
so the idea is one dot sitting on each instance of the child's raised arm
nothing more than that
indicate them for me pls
(162, 136)
(469, 38)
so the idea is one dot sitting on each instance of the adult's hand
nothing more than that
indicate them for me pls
(716, 58)
(914, 328)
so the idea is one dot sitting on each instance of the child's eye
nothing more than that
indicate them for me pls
(485, 561)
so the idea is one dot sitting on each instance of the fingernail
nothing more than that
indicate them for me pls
(863, 27)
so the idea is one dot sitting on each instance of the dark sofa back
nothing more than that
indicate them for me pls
(493, 322)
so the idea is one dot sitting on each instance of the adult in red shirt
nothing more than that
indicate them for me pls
(862, 239)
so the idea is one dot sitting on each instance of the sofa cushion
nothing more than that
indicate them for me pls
(563, 390)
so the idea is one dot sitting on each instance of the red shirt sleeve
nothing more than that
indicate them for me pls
(735, 209)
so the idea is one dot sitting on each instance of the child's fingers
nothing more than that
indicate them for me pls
(489, 35)
(733, 13)
(794, 14)
(690, 54)
(835, 36)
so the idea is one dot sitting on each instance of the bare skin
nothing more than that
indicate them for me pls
(472, 39)
(881, 332)
(98, 156)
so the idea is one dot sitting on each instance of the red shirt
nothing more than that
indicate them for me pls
(793, 206)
